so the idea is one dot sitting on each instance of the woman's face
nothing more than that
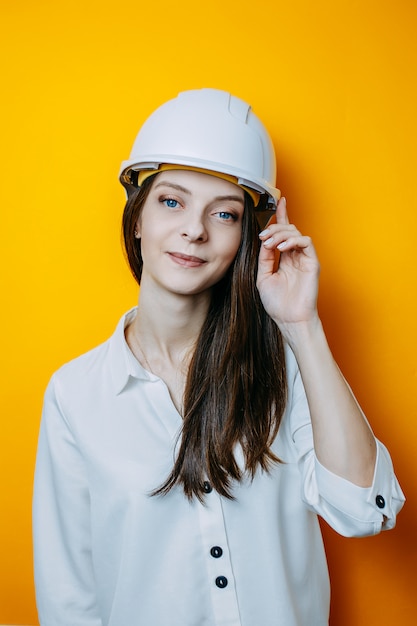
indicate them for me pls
(190, 229)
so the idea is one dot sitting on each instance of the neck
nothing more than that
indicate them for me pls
(163, 336)
(167, 325)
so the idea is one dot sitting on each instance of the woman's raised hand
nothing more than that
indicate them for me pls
(288, 286)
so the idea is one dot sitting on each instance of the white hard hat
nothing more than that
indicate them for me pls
(207, 129)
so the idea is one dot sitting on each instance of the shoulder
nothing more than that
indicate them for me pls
(78, 379)
(84, 365)
(94, 373)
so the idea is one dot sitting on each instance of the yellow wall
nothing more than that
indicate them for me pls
(335, 82)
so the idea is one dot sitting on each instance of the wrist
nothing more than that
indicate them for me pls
(303, 335)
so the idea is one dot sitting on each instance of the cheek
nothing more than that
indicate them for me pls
(148, 244)
(231, 245)
(227, 249)
(147, 222)
(150, 232)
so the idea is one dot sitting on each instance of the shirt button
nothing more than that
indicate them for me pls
(221, 582)
(207, 488)
(380, 502)
(216, 551)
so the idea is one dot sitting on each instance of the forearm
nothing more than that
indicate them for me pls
(343, 440)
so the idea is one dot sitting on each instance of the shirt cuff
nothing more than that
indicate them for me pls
(373, 507)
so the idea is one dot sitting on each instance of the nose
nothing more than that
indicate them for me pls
(194, 229)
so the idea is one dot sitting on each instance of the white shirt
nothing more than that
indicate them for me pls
(108, 554)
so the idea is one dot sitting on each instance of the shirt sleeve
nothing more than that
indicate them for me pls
(64, 576)
(350, 510)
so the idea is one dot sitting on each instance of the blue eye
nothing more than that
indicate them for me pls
(225, 215)
(170, 203)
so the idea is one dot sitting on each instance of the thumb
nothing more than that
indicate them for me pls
(281, 212)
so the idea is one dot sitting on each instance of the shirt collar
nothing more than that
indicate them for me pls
(123, 364)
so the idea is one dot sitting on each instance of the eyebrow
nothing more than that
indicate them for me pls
(166, 183)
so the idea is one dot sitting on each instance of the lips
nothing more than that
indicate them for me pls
(185, 260)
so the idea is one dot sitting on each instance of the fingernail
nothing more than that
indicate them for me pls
(264, 232)
(269, 241)
(282, 245)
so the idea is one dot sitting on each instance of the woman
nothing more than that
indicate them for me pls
(183, 463)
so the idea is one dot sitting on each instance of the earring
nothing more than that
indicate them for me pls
(137, 236)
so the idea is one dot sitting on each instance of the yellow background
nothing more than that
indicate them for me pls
(335, 83)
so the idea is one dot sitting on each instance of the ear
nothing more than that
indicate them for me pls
(137, 230)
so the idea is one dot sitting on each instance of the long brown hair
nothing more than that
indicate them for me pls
(236, 390)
